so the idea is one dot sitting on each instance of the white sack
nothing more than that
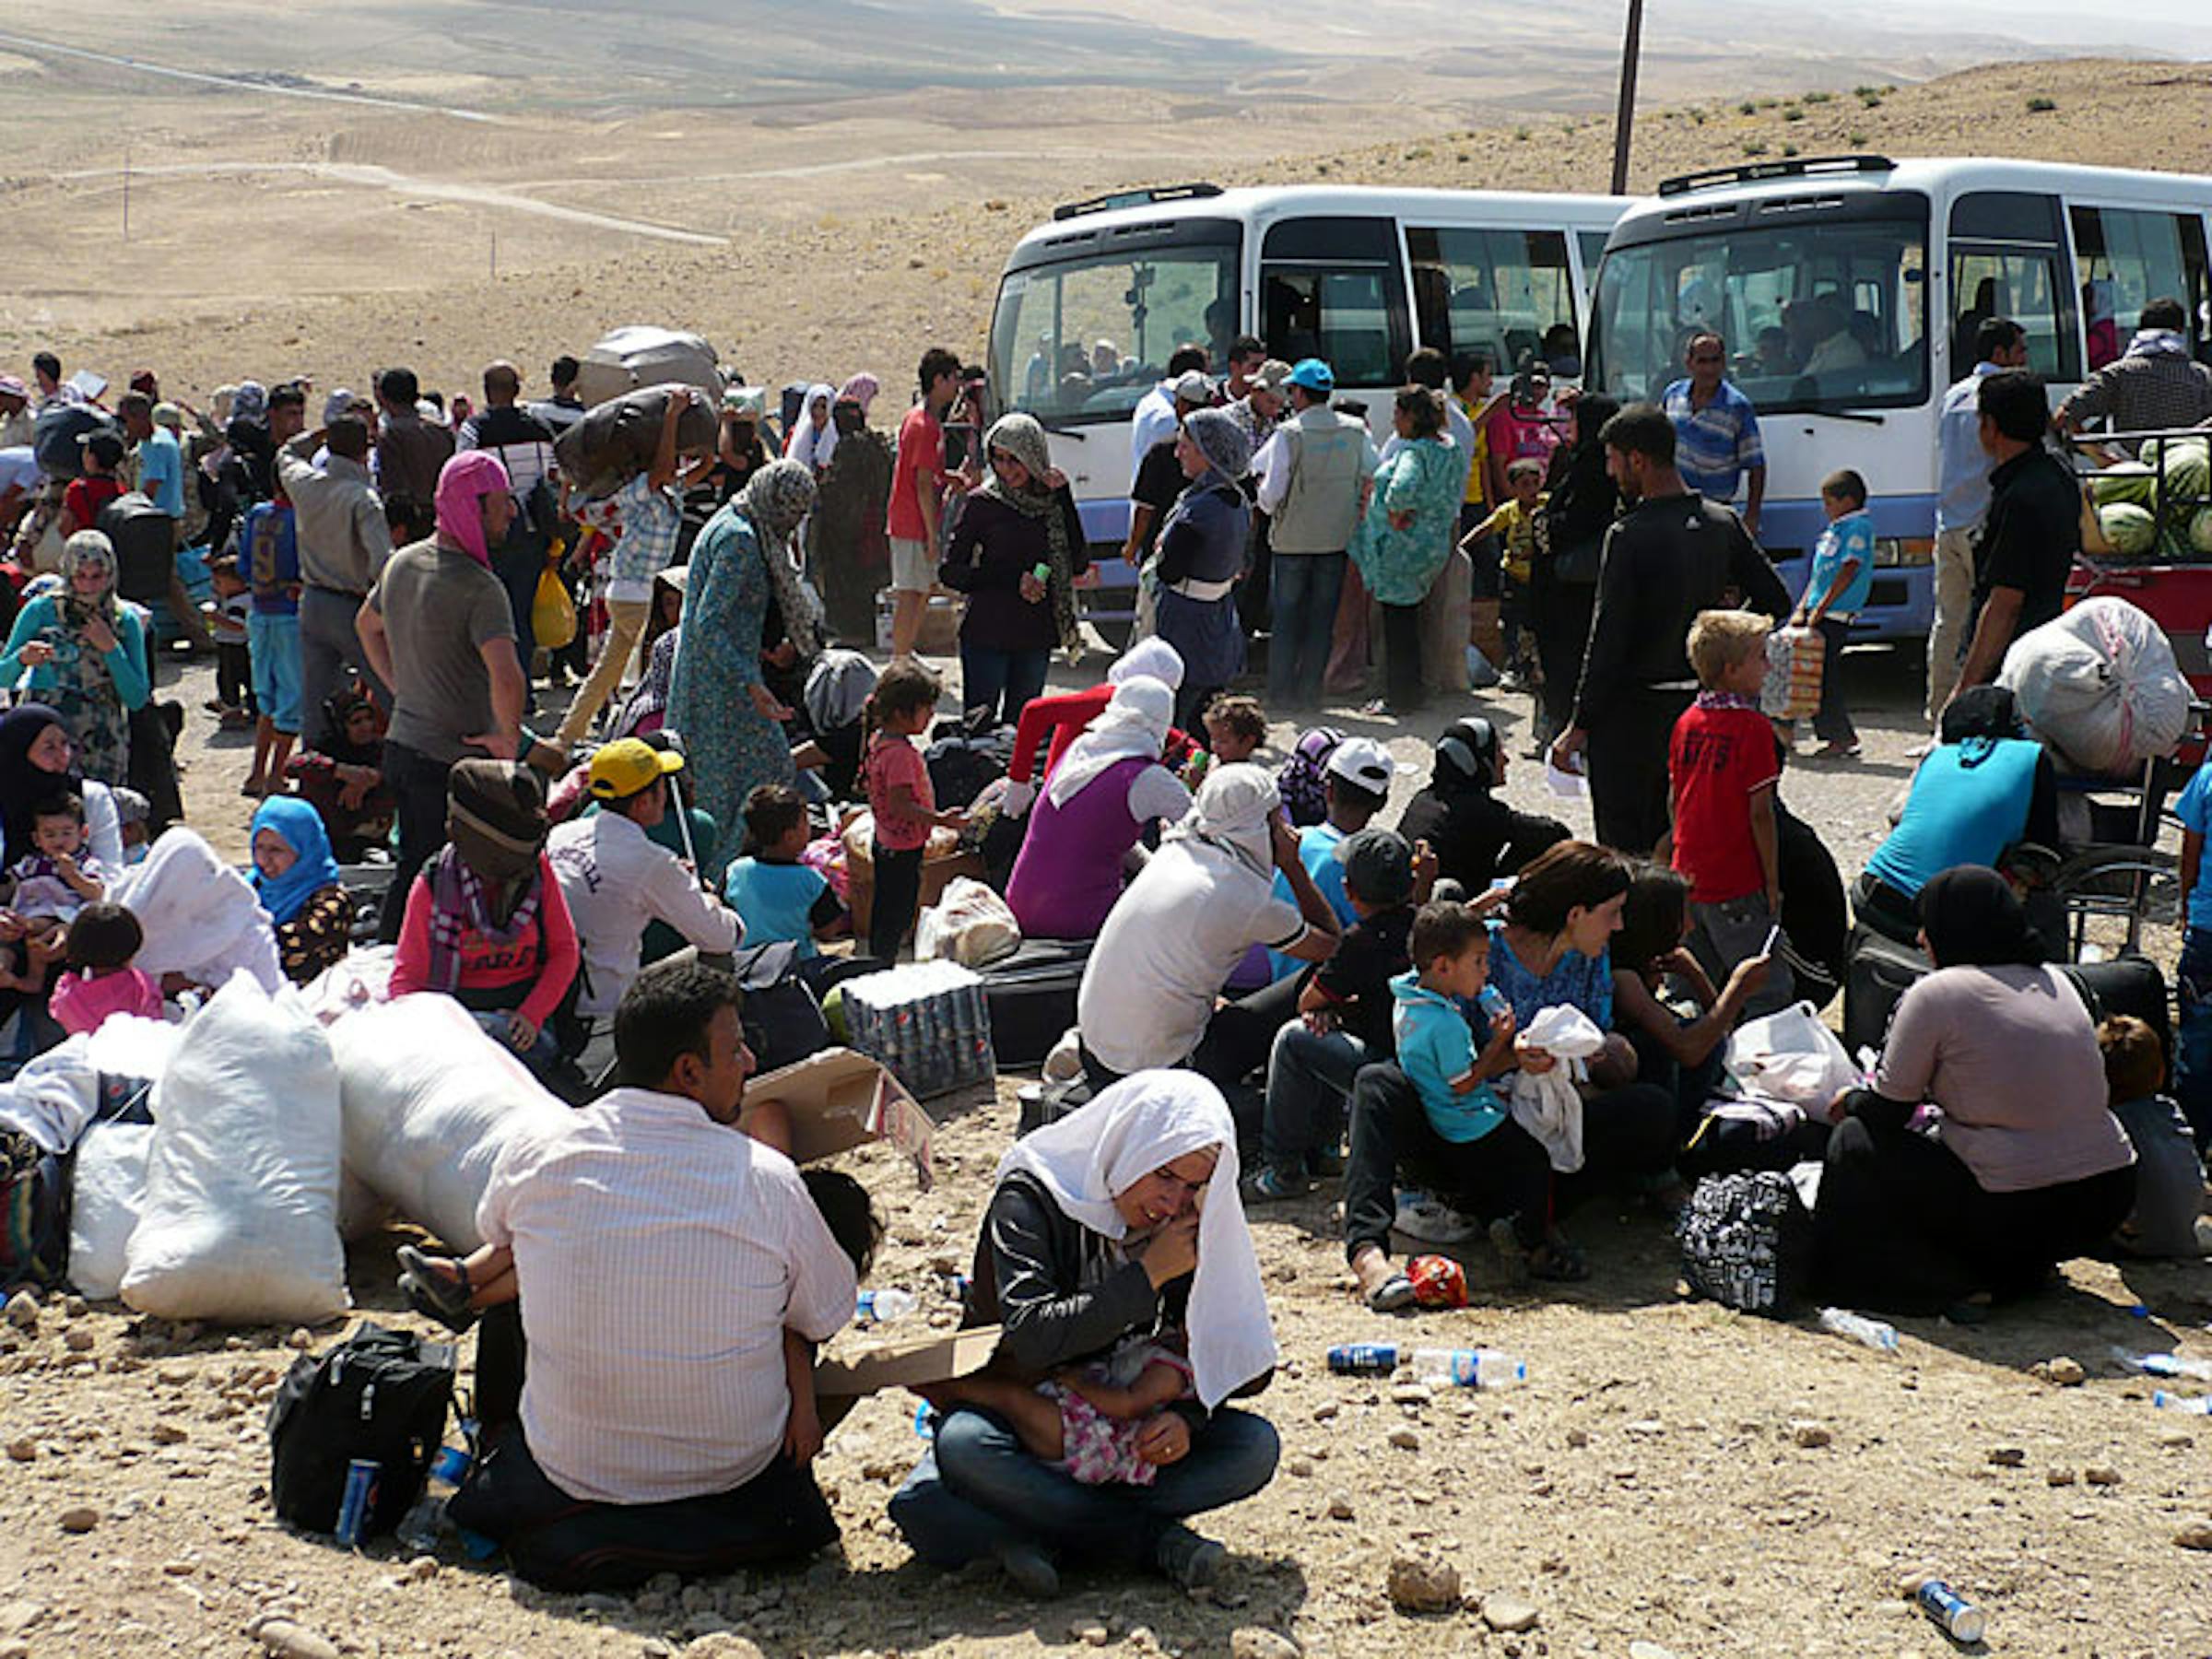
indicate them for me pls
(362, 976)
(1791, 1057)
(971, 924)
(240, 1223)
(2099, 685)
(107, 1191)
(429, 1100)
(641, 355)
(202, 919)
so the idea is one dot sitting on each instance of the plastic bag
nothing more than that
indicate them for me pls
(2101, 685)
(1548, 1105)
(552, 612)
(971, 925)
(1797, 658)
(1791, 1057)
(107, 1191)
(240, 1223)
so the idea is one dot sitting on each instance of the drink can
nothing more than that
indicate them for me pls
(1364, 1359)
(1957, 1616)
(1438, 1281)
(357, 1500)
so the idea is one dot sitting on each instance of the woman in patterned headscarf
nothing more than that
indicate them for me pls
(730, 721)
(82, 651)
(1016, 553)
(1200, 557)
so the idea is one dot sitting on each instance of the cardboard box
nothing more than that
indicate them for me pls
(872, 1365)
(839, 1100)
(941, 862)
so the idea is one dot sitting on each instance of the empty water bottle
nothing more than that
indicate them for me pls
(2167, 1365)
(424, 1523)
(1869, 1332)
(2192, 1405)
(882, 1307)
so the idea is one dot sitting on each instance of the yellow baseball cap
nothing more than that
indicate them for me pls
(628, 766)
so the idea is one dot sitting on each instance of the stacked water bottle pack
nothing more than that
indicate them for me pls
(925, 1021)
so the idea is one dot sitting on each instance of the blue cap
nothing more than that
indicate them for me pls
(1313, 375)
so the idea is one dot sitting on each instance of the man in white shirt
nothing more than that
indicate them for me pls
(1962, 502)
(661, 1255)
(617, 881)
(1154, 417)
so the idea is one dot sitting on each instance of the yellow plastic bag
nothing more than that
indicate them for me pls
(552, 612)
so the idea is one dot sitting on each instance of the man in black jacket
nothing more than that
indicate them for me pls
(1670, 554)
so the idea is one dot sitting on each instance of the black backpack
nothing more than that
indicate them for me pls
(1748, 1242)
(379, 1394)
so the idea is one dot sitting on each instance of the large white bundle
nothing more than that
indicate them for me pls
(240, 1223)
(429, 1100)
(202, 918)
(2099, 685)
(641, 355)
(107, 1191)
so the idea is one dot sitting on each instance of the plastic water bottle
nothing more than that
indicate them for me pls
(420, 1528)
(2168, 1365)
(1870, 1332)
(1961, 1620)
(883, 1307)
(2191, 1404)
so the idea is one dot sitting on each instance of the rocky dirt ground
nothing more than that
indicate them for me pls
(1675, 1480)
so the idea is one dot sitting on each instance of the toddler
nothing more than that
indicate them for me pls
(1235, 728)
(1089, 1420)
(776, 896)
(1836, 592)
(59, 876)
(227, 614)
(101, 982)
(2169, 1177)
(900, 797)
(1514, 525)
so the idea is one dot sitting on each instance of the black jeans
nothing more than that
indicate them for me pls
(1506, 1172)
(1831, 720)
(1402, 657)
(1559, 613)
(898, 899)
(1627, 768)
(419, 783)
(518, 562)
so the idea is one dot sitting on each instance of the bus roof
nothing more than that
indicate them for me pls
(1081, 224)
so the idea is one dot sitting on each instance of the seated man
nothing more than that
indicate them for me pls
(617, 880)
(661, 1254)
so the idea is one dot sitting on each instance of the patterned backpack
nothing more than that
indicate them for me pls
(1746, 1243)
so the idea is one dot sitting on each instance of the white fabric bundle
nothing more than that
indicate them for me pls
(107, 1191)
(1548, 1105)
(2099, 685)
(56, 1094)
(201, 918)
(1792, 1057)
(971, 925)
(428, 1099)
(240, 1223)
(1104, 1148)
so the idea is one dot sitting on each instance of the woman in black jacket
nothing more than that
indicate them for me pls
(1114, 1233)
(1563, 576)
(1476, 837)
(1016, 553)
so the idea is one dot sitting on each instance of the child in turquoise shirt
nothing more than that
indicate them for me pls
(1836, 592)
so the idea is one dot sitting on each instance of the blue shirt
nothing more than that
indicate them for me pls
(1849, 537)
(1317, 847)
(162, 471)
(2195, 810)
(1436, 1045)
(775, 901)
(1586, 982)
(1714, 446)
(1963, 464)
(270, 559)
(1969, 801)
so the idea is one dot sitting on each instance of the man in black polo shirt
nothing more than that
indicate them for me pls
(1670, 554)
(2032, 534)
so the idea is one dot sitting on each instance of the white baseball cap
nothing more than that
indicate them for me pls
(1363, 761)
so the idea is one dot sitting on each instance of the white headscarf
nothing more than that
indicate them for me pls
(809, 442)
(1133, 727)
(1232, 812)
(1146, 1120)
(1154, 658)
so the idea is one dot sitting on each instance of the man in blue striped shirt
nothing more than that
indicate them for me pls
(1716, 430)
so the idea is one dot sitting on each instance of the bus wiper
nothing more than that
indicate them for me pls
(1850, 414)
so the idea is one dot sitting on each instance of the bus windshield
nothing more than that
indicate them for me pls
(1829, 316)
(1085, 338)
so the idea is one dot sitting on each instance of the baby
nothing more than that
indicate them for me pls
(52, 882)
(1091, 1420)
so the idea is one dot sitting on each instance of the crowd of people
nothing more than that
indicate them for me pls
(1468, 1023)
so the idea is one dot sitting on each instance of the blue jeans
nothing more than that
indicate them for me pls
(1002, 681)
(1302, 610)
(977, 1490)
(1309, 1081)
(2193, 1040)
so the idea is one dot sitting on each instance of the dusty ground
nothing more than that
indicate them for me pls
(1647, 1486)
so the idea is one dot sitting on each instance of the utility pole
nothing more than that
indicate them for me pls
(1624, 118)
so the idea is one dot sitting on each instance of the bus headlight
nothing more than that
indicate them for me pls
(1911, 550)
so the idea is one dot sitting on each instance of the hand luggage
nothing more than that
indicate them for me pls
(1031, 996)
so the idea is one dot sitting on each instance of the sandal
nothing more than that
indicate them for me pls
(1558, 1263)
(431, 1293)
(1269, 1184)
(1394, 1295)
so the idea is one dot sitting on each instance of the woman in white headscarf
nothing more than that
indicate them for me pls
(814, 437)
(1178, 932)
(1066, 715)
(1097, 803)
(1113, 1233)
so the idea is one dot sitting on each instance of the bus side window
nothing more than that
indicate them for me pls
(2008, 259)
(1335, 288)
(2127, 257)
(1506, 293)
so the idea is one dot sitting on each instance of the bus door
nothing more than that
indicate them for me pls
(1334, 288)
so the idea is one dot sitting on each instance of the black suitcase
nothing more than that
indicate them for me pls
(1882, 971)
(146, 547)
(1032, 996)
(2130, 985)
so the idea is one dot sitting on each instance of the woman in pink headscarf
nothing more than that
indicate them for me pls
(438, 629)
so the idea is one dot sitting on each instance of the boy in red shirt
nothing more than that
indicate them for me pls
(1723, 764)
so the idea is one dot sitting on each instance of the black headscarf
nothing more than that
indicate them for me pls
(1466, 757)
(1981, 711)
(1583, 500)
(22, 784)
(1974, 919)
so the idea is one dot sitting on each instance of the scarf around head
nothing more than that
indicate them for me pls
(1153, 658)
(462, 483)
(1102, 1149)
(2159, 342)
(22, 784)
(1974, 919)
(300, 827)
(1466, 757)
(860, 389)
(88, 551)
(1022, 437)
(1231, 816)
(1133, 727)
(1222, 441)
(775, 501)
(811, 442)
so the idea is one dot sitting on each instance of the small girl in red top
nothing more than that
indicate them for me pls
(1723, 764)
(899, 796)
(486, 923)
(101, 982)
